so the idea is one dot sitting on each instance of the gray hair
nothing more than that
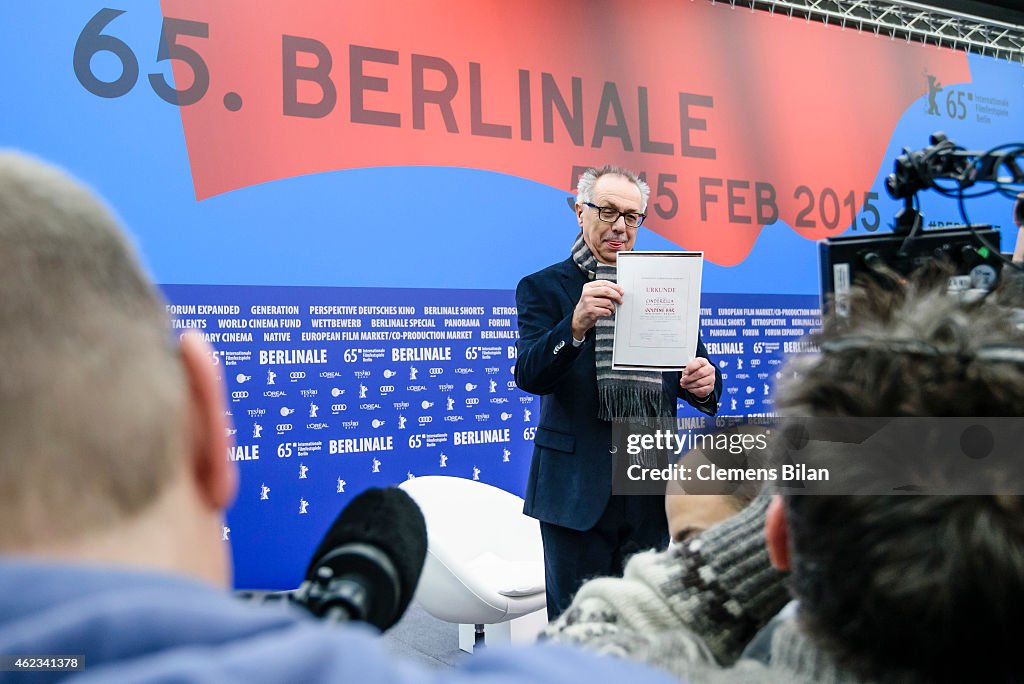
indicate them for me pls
(92, 390)
(585, 186)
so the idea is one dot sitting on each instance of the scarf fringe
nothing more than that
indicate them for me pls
(623, 400)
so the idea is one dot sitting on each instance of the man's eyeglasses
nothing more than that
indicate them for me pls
(610, 215)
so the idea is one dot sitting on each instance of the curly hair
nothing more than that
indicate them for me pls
(911, 587)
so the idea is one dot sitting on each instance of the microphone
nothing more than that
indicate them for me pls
(369, 562)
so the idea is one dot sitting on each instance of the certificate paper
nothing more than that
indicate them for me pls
(656, 325)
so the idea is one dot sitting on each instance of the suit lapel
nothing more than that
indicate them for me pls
(572, 280)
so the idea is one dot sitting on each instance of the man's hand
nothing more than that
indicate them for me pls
(698, 377)
(598, 300)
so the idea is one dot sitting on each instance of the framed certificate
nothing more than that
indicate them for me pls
(656, 324)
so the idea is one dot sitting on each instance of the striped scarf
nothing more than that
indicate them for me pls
(621, 394)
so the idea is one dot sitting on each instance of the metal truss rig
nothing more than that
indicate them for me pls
(908, 21)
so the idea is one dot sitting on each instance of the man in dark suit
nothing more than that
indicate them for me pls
(564, 356)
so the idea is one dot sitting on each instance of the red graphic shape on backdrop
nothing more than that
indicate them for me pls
(679, 91)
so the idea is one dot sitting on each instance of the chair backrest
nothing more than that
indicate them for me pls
(470, 518)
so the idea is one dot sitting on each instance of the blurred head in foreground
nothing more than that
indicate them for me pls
(114, 431)
(908, 587)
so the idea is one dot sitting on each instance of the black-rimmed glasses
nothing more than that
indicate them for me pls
(610, 215)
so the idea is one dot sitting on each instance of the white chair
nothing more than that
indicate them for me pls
(485, 562)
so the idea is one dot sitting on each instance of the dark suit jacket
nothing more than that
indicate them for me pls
(570, 478)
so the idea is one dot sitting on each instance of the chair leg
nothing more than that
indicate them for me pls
(478, 637)
(523, 629)
(466, 638)
(472, 637)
